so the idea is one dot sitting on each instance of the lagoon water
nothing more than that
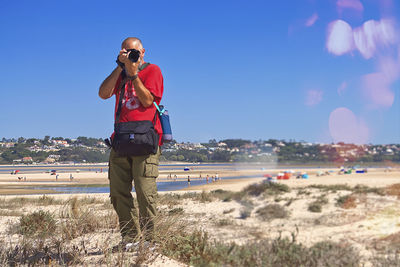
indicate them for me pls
(161, 186)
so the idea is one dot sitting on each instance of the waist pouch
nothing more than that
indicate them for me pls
(135, 138)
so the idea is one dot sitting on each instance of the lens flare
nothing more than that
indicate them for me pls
(340, 38)
(345, 127)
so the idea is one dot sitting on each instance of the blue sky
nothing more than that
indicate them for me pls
(232, 69)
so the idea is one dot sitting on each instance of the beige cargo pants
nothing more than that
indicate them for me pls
(135, 216)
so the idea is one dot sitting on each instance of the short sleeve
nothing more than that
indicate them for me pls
(153, 81)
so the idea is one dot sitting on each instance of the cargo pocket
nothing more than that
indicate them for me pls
(151, 166)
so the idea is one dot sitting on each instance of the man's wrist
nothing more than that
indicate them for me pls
(133, 77)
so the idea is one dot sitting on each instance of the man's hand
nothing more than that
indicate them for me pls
(130, 67)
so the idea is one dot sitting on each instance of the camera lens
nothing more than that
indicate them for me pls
(134, 55)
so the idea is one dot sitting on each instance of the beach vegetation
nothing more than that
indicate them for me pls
(363, 189)
(224, 222)
(359, 189)
(393, 190)
(245, 212)
(176, 211)
(266, 188)
(290, 201)
(315, 207)
(272, 211)
(197, 249)
(38, 223)
(228, 211)
(390, 258)
(247, 208)
(77, 221)
(331, 188)
(168, 199)
(223, 195)
(302, 191)
(346, 201)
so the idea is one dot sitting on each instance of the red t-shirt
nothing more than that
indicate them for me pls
(132, 109)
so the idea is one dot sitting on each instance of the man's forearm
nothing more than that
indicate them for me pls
(107, 87)
(144, 95)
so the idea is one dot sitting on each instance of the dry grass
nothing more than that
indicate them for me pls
(316, 206)
(228, 211)
(266, 188)
(196, 249)
(393, 190)
(80, 222)
(347, 201)
(272, 211)
(393, 241)
(359, 189)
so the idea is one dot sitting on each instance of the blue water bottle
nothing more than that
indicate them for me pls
(165, 124)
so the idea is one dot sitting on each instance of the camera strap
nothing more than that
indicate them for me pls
(122, 90)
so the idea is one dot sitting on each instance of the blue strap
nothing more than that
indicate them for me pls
(158, 108)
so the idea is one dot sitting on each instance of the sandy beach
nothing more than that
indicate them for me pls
(232, 180)
(365, 219)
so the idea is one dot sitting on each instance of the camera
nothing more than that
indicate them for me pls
(134, 55)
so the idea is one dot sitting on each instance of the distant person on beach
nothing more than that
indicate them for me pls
(136, 85)
(207, 178)
(188, 180)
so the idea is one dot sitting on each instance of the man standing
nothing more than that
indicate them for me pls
(143, 86)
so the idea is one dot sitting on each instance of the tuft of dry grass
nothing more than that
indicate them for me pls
(266, 188)
(347, 201)
(196, 249)
(393, 190)
(224, 222)
(228, 211)
(393, 241)
(316, 206)
(391, 258)
(272, 211)
(37, 224)
(79, 220)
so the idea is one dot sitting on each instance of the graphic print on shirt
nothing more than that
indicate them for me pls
(131, 101)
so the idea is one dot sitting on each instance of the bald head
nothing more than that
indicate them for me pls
(132, 42)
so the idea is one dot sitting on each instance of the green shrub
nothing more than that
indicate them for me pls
(272, 211)
(223, 195)
(333, 188)
(267, 188)
(37, 224)
(197, 250)
(346, 201)
(315, 207)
